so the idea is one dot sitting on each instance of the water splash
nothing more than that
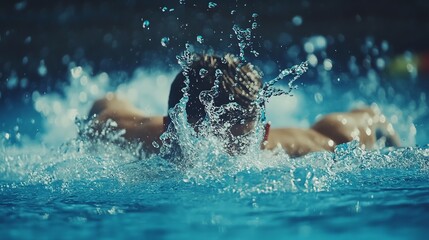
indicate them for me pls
(165, 41)
(145, 24)
(269, 90)
(200, 39)
(244, 37)
(212, 5)
(203, 72)
(206, 153)
(208, 164)
(254, 172)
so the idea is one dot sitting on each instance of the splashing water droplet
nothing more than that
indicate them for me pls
(318, 97)
(200, 39)
(155, 144)
(268, 90)
(76, 72)
(146, 24)
(254, 25)
(233, 12)
(203, 72)
(164, 9)
(255, 15)
(165, 41)
(244, 37)
(212, 4)
(218, 73)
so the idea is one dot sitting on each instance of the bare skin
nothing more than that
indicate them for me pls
(324, 135)
(137, 126)
(333, 129)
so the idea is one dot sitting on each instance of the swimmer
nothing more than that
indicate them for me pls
(243, 82)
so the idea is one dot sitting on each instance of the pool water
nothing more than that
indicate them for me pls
(71, 187)
(57, 184)
(107, 194)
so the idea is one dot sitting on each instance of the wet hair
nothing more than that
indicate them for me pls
(238, 83)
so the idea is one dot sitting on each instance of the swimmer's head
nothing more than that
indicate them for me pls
(238, 83)
(239, 86)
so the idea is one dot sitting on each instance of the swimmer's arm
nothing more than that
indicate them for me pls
(114, 106)
(136, 125)
(298, 142)
(366, 125)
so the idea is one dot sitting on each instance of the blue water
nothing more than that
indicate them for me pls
(71, 187)
(360, 195)
(56, 184)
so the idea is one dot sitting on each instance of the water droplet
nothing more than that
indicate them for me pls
(312, 60)
(385, 46)
(146, 24)
(12, 81)
(233, 12)
(255, 53)
(218, 73)
(297, 20)
(255, 15)
(165, 41)
(76, 72)
(327, 64)
(200, 39)
(24, 83)
(182, 2)
(164, 9)
(171, 9)
(203, 72)
(189, 47)
(155, 144)
(254, 25)
(358, 18)
(212, 4)
(27, 40)
(42, 69)
(380, 63)
(25, 60)
(318, 97)
(20, 5)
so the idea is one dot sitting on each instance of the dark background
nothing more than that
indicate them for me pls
(108, 36)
